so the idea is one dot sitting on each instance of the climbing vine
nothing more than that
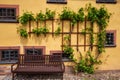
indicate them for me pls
(67, 49)
(26, 17)
(23, 32)
(74, 17)
(45, 16)
(42, 30)
(57, 31)
(101, 17)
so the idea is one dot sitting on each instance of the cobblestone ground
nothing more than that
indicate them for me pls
(108, 75)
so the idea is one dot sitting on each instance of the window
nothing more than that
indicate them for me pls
(8, 13)
(34, 50)
(110, 38)
(57, 1)
(106, 1)
(65, 57)
(9, 54)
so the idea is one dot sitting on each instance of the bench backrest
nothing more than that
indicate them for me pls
(37, 60)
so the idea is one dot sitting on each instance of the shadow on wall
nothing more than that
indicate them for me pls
(40, 38)
(23, 40)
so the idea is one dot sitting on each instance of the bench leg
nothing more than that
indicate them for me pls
(12, 76)
(62, 76)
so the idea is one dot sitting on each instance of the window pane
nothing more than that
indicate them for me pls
(0, 12)
(34, 51)
(8, 14)
(109, 39)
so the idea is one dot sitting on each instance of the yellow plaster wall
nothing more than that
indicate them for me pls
(10, 37)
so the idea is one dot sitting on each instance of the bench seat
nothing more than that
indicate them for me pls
(50, 64)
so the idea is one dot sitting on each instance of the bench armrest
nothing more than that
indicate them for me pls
(13, 65)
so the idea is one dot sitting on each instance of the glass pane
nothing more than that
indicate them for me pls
(29, 51)
(38, 51)
(4, 12)
(109, 38)
(3, 54)
(13, 12)
(0, 11)
(34, 51)
(8, 12)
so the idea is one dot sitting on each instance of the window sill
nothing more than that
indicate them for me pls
(66, 60)
(8, 62)
(56, 2)
(109, 2)
(110, 45)
(9, 21)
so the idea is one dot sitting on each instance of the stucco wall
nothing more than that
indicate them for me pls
(10, 37)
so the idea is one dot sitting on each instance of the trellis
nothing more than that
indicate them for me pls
(77, 33)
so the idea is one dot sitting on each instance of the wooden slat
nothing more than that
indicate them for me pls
(91, 36)
(52, 27)
(29, 27)
(62, 32)
(87, 45)
(77, 34)
(70, 31)
(37, 23)
(85, 35)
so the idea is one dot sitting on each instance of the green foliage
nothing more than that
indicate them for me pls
(42, 30)
(67, 38)
(87, 64)
(49, 14)
(37, 31)
(101, 41)
(103, 17)
(90, 31)
(23, 33)
(92, 13)
(68, 14)
(57, 31)
(26, 17)
(40, 16)
(82, 67)
(69, 51)
(80, 15)
(65, 14)
(83, 31)
(87, 30)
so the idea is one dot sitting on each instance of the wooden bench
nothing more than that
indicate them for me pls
(38, 64)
